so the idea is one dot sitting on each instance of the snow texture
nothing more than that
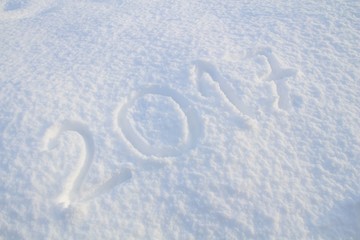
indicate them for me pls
(166, 119)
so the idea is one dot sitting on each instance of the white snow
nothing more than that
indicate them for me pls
(166, 119)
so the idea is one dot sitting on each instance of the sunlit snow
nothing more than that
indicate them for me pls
(202, 119)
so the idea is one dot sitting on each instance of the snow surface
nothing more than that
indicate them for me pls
(164, 119)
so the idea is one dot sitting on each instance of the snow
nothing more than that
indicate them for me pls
(179, 119)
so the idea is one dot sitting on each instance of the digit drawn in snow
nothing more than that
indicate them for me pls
(191, 123)
(72, 191)
(18, 9)
(279, 76)
(226, 91)
(121, 177)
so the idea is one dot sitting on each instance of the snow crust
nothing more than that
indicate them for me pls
(185, 119)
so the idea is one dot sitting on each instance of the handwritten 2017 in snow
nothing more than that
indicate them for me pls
(190, 121)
